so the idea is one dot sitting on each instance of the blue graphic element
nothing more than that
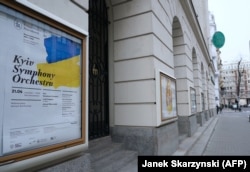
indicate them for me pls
(60, 48)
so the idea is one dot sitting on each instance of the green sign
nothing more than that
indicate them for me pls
(218, 39)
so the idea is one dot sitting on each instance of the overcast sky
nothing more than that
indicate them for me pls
(232, 18)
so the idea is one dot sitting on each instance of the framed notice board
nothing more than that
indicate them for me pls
(168, 97)
(42, 73)
(193, 100)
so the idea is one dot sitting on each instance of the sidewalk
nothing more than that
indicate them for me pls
(229, 110)
(230, 136)
(196, 144)
(224, 134)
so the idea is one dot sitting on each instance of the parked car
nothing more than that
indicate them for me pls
(234, 106)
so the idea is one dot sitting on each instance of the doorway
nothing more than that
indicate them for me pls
(98, 70)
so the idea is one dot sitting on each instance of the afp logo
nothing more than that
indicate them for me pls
(234, 163)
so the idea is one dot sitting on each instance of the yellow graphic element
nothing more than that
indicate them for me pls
(169, 96)
(66, 73)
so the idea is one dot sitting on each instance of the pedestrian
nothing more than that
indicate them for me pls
(217, 109)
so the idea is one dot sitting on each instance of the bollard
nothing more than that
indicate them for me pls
(249, 118)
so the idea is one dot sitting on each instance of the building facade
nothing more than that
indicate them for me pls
(149, 73)
(230, 78)
(215, 53)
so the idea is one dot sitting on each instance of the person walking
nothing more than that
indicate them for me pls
(217, 108)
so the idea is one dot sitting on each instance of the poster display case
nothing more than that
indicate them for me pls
(168, 97)
(193, 100)
(42, 69)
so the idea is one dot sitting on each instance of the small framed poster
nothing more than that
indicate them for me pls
(42, 64)
(168, 97)
(193, 100)
(202, 101)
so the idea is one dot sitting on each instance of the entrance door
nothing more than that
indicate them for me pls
(98, 70)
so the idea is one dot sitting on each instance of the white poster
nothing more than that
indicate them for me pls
(40, 95)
